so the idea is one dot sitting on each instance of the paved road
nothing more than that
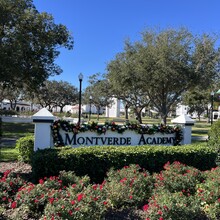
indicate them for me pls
(199, 138)
(4, 142)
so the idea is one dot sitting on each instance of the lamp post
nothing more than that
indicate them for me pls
(212, 100)
(80, 96)
(90, 107)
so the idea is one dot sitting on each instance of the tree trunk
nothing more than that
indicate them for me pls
(61, 109)
(98, 110)
(139, 118)
(13, 105)
(50, 108)
(138, 115)
(164, 119)
(126, 112)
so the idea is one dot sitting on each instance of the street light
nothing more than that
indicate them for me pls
(212, 100)
(90, 106)
(80, 96)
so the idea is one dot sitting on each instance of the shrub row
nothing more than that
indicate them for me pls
(8, 112)
(0, 127)
(96, 161)
(177, 192)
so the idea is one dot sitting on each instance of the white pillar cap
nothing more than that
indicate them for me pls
(183, 119)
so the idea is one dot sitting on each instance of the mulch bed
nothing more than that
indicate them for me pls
(22, 169)
(15, 167)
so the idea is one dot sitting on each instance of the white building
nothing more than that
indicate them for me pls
(181, 110)
(114, 110)
(21, 106)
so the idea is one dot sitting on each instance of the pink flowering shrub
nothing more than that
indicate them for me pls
(178, 177)
(35, 197)
(91, 202)
(166, 205)
(173, 194)
(129, 187)
(208, 193)
(177, 192)
(9, 185)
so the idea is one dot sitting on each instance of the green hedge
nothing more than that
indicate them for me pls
(25, 146)
(96, 161)
(8, 112)
(0, 127)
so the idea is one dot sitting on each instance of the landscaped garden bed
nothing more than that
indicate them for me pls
(177, 192)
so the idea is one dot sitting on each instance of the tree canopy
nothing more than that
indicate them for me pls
(126, 82)
(56, 94)
(197, 101)
(164, 65)
(29, 44)
(99, 91)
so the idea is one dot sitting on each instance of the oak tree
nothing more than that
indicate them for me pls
(29, 44)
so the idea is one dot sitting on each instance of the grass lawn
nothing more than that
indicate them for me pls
(201, 128)
(15, 131)
(8, 154)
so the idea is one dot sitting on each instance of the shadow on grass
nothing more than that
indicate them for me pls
(8, 154)
(17, 129)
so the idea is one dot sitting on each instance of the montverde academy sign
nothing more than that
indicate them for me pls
(50, 132)
(65, 134)
(112, 138)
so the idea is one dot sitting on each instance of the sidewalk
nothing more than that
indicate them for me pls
(199, 138)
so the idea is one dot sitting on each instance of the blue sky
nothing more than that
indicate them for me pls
(100, 27)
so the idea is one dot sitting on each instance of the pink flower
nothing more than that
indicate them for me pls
(79, 197)
(160, 212)
(146, 207)
(41, 181)
(165, 207)
(95, 186)
(13, 205)
(52, 177)
(74, 185)
(72, 202)
(51, 200)
(123, 180)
